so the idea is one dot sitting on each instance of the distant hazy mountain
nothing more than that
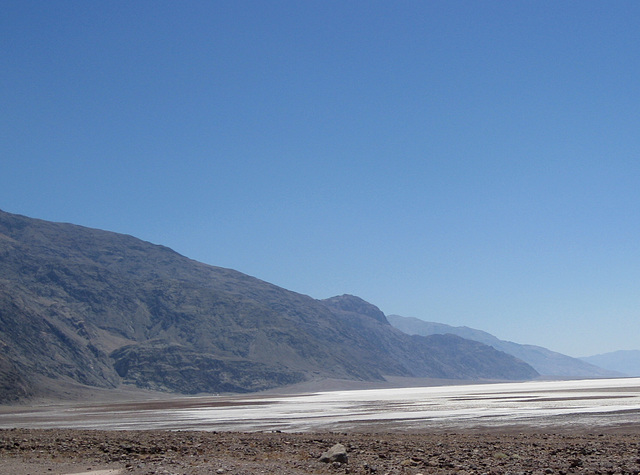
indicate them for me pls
(623, 361)
(546, 362)
(80, 305)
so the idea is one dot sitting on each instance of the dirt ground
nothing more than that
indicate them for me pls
(65, 451)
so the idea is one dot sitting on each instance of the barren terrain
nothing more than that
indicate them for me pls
(60, 451)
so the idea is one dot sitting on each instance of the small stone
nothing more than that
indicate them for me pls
(337, 453)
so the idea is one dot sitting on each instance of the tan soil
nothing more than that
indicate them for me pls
(60, 451)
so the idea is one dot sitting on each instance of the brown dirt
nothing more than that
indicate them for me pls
(59, 451)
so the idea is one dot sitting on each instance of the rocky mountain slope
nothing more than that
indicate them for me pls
(546, 362)
(80, 305)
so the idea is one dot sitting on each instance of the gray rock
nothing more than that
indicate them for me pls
(337, 453)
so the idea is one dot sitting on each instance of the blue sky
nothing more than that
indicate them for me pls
(471, 163)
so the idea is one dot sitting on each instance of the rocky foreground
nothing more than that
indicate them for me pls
(60, 451)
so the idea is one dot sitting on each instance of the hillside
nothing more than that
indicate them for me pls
(626, 362)
(546, 362)
(80, 305)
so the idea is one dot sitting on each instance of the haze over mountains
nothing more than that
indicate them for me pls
(546, 362)
(90, 307)
(623, 361)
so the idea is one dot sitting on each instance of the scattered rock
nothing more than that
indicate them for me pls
(337, 453)
(24, 451)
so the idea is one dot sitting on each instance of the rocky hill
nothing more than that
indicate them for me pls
(546, 362)
(80, 305)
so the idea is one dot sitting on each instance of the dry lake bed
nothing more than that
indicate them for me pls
(536, 404)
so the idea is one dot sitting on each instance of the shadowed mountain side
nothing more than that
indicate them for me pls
(98, 308)
(546, 362)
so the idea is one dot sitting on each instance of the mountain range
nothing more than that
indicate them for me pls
(622, 361)
(548, 363)
(81, 306)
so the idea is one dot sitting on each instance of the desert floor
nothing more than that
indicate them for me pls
(524, 451)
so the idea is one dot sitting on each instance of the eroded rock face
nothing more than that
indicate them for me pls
(337, 453)
(13, 386)
(165, 367)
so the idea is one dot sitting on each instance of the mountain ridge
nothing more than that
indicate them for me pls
(548, 363)
(85, 306)
(623, 361)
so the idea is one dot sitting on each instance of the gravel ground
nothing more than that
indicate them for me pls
(63, 451)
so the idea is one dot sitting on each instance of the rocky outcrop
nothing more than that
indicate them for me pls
(352, 305)
(169, 367)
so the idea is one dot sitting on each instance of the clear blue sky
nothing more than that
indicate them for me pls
(471, 163)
